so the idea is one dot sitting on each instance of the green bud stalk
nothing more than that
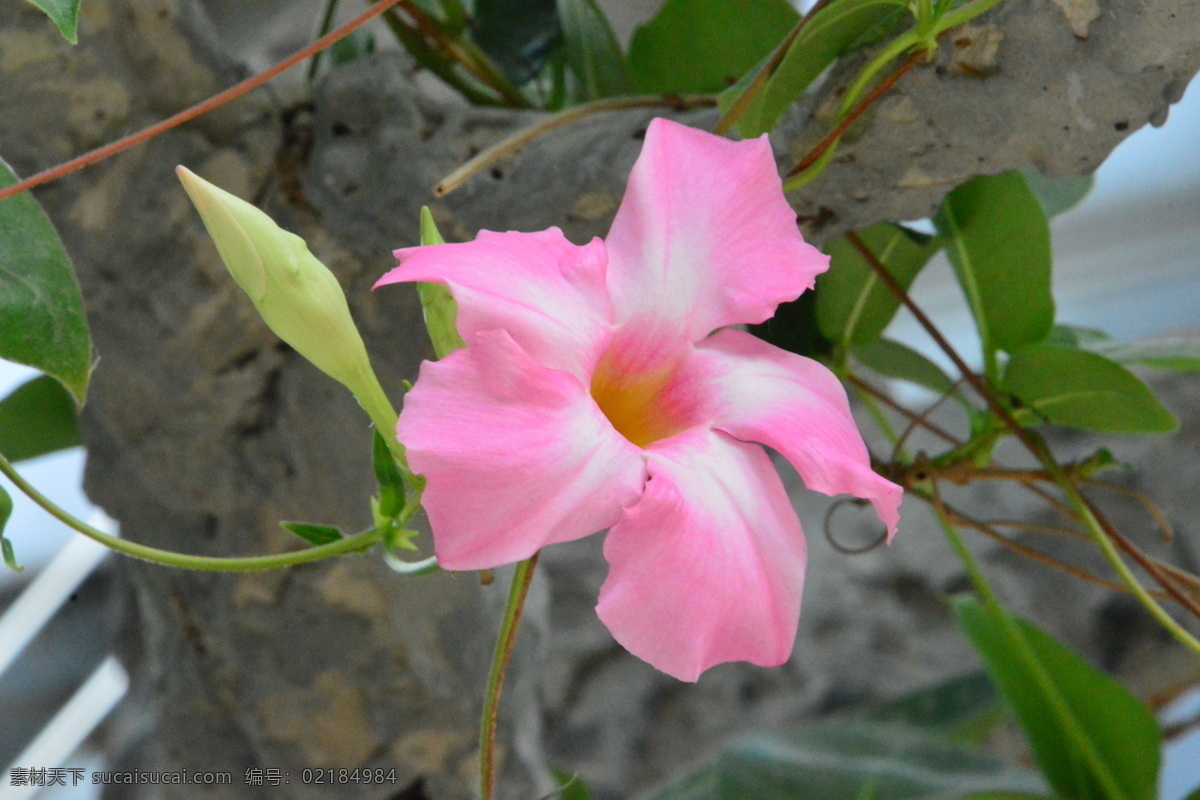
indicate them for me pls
(296, 295)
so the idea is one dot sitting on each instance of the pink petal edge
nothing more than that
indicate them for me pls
(708, 566)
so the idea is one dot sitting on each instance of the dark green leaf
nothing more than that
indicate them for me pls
(851, 760)
(965, 708)
(833, 31)
(999, 243)
(391, 484)
(518, 35)
(42, 323)
(36, 419)
(570, 786)
(1084, 390)
(315, 535)
(853, 305)
(900, 361)
(1091, 737)
(349, 48)
(592, 52)
(794, 328)
(697, 46)
(64, 14)
(6, 548)
(1057, 195)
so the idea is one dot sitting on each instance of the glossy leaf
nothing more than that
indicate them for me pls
(998, 240)
(391, 483)
(965, 708)
(1058, 195)
(6, 548)
(836, 29)
(591, 51)
(895, 360)
(42, 323)
(315, 535)
(37, 418)
(64, 14)
(518, 35)
(849, 760)
(1092, 738)
(697, 46)
(1079, 389)
(853, 305)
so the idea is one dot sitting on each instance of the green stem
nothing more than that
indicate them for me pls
(491, 701)
(375, 402)
(350, 544)
(326, 22)
(1058, 704)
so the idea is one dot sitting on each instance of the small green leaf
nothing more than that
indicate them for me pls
(853, 305)
(37, 418)
(859, 759)
(399, 538)
(592, 52)
(391, 483)
(6, 507)
(1058, 195)
(1084, 390)
(896, 360)
(699, 46)
(965, 708)
(441, 310)
(42, 323)
(999, 243)
(836, 29)
(570, 786)
(1091, 737)
(315, 535)
(64, 14)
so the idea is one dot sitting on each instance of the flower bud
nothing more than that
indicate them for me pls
(297, 296)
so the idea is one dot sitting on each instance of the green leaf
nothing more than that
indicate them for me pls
(853, 305)
(1084, 390)
(42, 323)
(64, 14)
(518, 35)
(896, 360)
(1003, 796)
(699, 46)
(999, 243)
(965, 708)
(37, 418)
(1057, 195)
(591, 51)
(1194, 795)
(1091, 737)
(349, 48)
(570, 786)
(391, 483)
(315, 535)
(439, 306)
(836, 29)
(858, 759)
(6, 548)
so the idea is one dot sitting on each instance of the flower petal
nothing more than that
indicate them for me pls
(798, 407)
(546, 292)
(516, 456)
(708, 567)
(704, 236)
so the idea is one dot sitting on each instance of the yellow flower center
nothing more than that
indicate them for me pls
(642, 394)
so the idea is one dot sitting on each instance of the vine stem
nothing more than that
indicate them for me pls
(203, 107)
(169, 558)
(520, 139)
(1037, 447)
(491, 700)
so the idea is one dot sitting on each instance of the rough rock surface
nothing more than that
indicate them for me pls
(203, 431)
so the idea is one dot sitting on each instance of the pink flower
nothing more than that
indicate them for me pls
(591, 395)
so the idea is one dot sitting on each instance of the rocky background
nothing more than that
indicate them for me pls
(203, 430)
